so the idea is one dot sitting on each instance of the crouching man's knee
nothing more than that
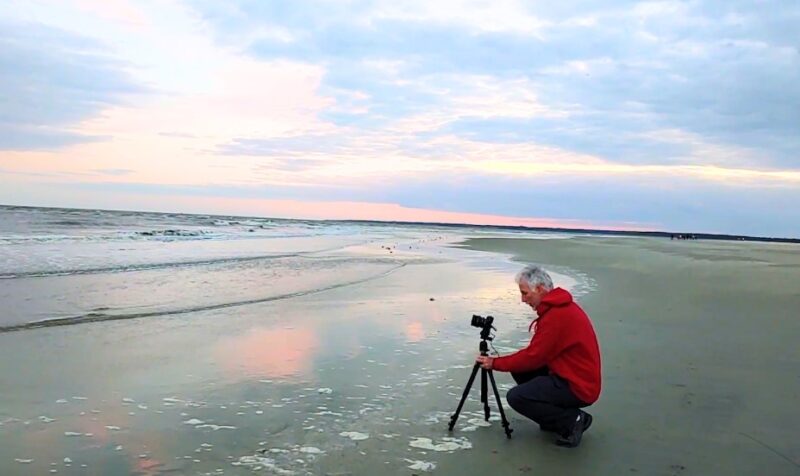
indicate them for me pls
(514, 398)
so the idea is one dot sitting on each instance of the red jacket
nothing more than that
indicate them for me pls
(564, 341)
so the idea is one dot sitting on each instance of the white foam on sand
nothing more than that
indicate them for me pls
(421, 465)
(113, 428)
(479, 422)
(193, 421)
(311, 450)
(45, 419)
(447, 444)
(354, 435)
(216, 427)
(72, 433)
(261, 462)
(325, 390)
(437, 417)
(23, 461)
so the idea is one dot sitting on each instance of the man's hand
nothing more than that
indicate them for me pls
(485, 361)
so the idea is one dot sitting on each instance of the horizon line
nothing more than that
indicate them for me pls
(577, 230)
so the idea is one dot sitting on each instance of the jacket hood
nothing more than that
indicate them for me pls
(556, 297)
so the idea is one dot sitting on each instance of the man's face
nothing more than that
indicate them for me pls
(531, 297)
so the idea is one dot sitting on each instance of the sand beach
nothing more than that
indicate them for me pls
(352, 362)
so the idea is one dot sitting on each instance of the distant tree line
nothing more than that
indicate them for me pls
(682, 236)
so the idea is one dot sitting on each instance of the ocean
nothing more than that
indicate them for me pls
(67, 266)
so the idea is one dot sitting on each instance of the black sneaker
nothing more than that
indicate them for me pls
(573, 438)
(587, 421)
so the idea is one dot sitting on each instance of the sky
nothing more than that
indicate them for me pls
(666, 115)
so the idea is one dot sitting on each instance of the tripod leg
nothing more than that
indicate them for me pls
(506, 425)
(484, 394)
(454, 417)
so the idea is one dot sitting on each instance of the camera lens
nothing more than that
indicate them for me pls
(478, 321)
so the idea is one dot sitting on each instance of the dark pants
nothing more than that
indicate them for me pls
(545, 399)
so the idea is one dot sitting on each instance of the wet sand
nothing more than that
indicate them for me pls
(698, 338)
(701, 356)
(343, 379)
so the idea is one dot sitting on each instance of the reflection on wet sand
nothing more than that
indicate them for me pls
(269, 353)
(286, 377)
(94, 431)
(414, 331)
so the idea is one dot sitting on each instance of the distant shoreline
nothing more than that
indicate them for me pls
(580, 231)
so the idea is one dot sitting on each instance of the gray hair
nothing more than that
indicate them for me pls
(535, 276)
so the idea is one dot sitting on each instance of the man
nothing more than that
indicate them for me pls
(559, 372)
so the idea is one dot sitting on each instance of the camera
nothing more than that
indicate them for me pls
(481, 322)
(485, 324)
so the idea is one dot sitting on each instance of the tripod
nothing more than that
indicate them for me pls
(484, 349)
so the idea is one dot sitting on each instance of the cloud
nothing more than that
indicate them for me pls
(115, 172)
(180, 135)
(29, 137)
(678, 113)
(51, 80)
(727, 73)
(292, 145)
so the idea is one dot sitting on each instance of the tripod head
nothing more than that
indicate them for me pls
(484, 347)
